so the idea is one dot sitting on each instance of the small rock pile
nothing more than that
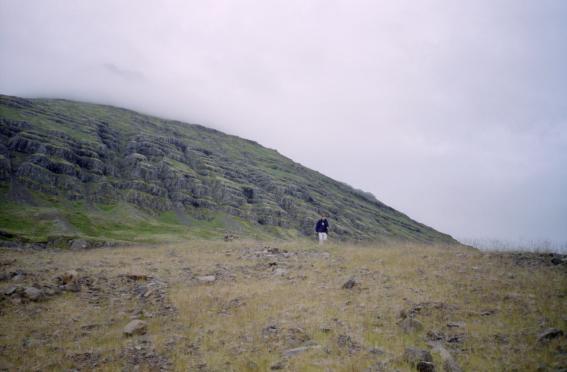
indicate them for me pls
(68, 281)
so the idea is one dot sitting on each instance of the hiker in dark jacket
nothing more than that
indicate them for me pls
(322, 228)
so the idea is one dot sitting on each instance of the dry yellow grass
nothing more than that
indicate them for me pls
(264, 302)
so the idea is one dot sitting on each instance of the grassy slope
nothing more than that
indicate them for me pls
(352, 212)
(221, 326)
(53, 217)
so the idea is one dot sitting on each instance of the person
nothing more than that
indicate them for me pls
(322, 228)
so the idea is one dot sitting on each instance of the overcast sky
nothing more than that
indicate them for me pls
(454, 112)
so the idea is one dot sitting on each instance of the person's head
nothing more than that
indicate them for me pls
(323, 216)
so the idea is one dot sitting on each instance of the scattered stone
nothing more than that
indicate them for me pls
(231, 305)
(207, 278)
(90, 327)
(251, 365)
(350, 284)
(549, 334)
(71, 276)
(72, 287)
(413, 356)
(18, 275)
(78, 244)
(85, 361)
(376, 351)
(501, 339)
(280, 272)
(7, 262)
(449, 363)
(33, 293)
(137, 276)
(11, 290)
(456, 338)
(278, 365)
(149, 292)
(455, 324)
(275, 250)
(409, 325)
(140, 355)
(135, 327)
(69, 281)
(298, 350)
(295, 337)
(487, 312)
(346, 341)
(427, 308)
(381, 366)
(556, 261)
(270, 330)
(51, 291)
(425, 366)
(433, 335)
(230, 237)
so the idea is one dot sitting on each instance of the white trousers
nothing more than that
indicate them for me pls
(322, 237)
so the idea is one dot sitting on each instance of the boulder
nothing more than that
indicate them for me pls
(135, 327)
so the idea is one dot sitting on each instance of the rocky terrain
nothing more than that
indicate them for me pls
(76, 171)
(252, 306)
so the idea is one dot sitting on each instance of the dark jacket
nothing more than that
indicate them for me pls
(322, 226)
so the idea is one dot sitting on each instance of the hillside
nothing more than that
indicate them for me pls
(72, 170)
